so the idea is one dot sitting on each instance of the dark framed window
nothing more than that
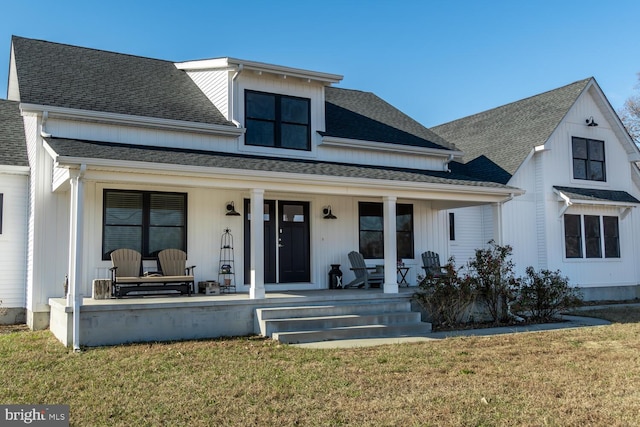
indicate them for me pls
(601, 235)
(1, 210)
(572, 236)
(588, 159)
(404, 230)
(611, 237)
(280, 121)
(452, 226)
(592, 236)
(145, 221)
(371, 228)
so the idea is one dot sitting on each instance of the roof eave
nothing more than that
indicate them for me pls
(448, 191)
(335, 141)
(14, 170)
(234, 63)
(131, 120)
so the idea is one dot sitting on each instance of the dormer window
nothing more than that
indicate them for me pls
(278, 121)
(588, 159)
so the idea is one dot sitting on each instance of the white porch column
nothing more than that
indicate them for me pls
(257, 244)
(74, 296)
(497, 222)
(390, 246)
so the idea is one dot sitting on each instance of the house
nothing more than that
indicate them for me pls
(14, 177)
(142, 153)
(577, 164)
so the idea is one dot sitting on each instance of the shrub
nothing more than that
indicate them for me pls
(491, 274)
(446, 297)
(544, 294)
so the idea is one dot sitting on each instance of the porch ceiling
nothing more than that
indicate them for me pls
(338, 178)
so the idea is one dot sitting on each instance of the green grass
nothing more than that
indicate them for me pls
(586, 376)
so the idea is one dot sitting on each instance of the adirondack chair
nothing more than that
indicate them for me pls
(173, 263)
(364, 278)
(431, 265)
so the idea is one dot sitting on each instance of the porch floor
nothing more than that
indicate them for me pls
(167, 318)
(270, 297)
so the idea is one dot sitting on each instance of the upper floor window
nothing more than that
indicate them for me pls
(588, 159)
(279, 121)
(372, 230)
(145, 221)
(601, 236)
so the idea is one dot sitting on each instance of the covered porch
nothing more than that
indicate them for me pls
(291, 196)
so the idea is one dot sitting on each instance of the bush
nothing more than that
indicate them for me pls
(491, 274)
(446, 297)
(542, 295)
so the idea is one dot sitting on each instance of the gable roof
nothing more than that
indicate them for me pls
(354, 114)
(13, 145)
(60, 75)
(506, 135)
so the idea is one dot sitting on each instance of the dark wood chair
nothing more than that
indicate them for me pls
(364, 278)
(431, 265)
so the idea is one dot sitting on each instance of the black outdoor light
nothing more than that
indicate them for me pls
(326, 211)
(231, 210)
(591, 122)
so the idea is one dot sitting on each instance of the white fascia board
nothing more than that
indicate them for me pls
(234, 63)
(334, 141)
(240, 178)
(14, 170)
(130, 120)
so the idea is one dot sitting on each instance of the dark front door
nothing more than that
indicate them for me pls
(293, 241)
(286, 233)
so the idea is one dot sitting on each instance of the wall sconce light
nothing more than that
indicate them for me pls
(591, 122)
(231, 210)
(326, 211)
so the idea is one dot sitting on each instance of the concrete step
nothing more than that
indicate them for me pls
(347, 321)
(338, 321)
(355, 332)
(334, 309)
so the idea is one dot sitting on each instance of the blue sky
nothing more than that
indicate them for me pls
(435, 60)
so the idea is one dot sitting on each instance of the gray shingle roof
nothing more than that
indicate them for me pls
(599, 195)
(102, 150)
(364, 116)
(13, 145)
(506, 134)
(89, 79)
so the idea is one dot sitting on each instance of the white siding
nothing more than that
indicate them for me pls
(13, 239)
(139, 136)
(216, 86)
(470, 233)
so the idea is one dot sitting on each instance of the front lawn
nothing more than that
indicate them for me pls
(586, 376)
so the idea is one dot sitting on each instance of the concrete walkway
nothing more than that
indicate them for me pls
(569, 322)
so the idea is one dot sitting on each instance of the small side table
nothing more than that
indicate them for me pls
(403, 276)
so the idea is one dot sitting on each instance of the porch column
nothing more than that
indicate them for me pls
(257, 244)
(74, 296)
(497, 222)
(390, 246)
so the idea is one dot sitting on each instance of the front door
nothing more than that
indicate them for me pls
(293, 241)
(286, 242)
